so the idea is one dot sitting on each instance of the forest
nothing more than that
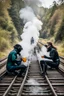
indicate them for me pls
(53, 25)
(11, 25)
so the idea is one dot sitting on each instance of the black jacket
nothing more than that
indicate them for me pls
(53, 55)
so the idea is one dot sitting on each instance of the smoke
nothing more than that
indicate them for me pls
(33, 4)
(31, 30)
(26, 14)
(34, 89)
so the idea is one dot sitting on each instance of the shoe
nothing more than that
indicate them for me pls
(21, 75)
(44, 73)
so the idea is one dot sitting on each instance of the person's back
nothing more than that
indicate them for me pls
(54, 55)
(12, 63)
(11, 58)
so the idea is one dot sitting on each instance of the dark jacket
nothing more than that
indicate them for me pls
(12, 58)
(54, 56)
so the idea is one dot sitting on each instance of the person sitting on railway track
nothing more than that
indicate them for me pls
(12, 63)
(53, 60)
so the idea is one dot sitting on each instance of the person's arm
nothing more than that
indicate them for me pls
(14, 57)
(52, 54)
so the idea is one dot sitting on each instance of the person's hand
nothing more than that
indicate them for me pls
(19, 62)
(42, 56)
(24, 59)
(45, 56)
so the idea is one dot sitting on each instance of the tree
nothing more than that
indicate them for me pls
(14, 13)
(53, 8)
(61, 1)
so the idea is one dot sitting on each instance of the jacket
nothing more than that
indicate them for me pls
(12, 58)
(54, 56)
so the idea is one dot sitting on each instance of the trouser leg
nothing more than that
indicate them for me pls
(15, 68)
(43, 66)
(23, 69)
(52, 64)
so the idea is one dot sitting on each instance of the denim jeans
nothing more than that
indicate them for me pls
(49, 63)
(14, 68)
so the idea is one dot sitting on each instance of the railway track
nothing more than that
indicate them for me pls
(10, 84)
(33, 84)
(37, 85)
(3, 62)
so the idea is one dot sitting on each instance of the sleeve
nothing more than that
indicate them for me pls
(14, 57)
(52, 54)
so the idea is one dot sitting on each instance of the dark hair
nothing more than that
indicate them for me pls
(45, 45)
(18, 47)
(50, 43)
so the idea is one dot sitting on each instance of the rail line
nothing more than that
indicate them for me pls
(33, 83)
(10, 85)
(3, 62)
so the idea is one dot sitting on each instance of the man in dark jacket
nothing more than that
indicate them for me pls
(53, 61)
(12, 63)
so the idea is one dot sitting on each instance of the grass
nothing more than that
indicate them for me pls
(5, 53)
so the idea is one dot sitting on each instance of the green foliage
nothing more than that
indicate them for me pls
(4, 39)
(14, 13)
(54, 8)
(60, 33)
(3, 23)
(53, 23)
(8, 32)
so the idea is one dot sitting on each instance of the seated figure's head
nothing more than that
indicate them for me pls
(18, 47)
(50, 46)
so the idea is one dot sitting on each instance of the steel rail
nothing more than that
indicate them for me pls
(1, 75)
(55, 94)
(3, 59)
(49, 83)
(62, 57)
(6, 92)
(22, 85)
(2, 63)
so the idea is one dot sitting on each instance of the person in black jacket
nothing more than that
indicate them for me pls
(53, 61)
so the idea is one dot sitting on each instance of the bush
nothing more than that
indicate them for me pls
(9, 28)
(4, 33)
(60, 33)
(3, 23)
(3, 44)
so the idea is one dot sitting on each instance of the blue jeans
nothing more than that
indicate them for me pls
(16, 67)
(44, 64)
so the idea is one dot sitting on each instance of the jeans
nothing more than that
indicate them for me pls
(14, 68)
(44, 64)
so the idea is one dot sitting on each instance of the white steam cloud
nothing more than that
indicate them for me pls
(30, 31)
(26, 14)
(34, 4)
